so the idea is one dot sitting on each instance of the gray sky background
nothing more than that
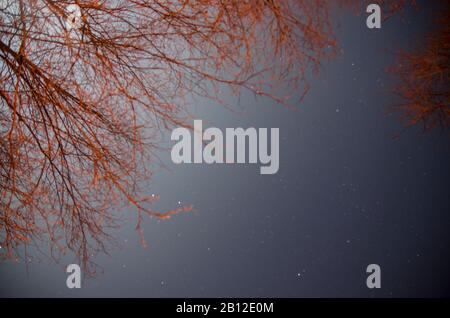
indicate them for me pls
(347, 195)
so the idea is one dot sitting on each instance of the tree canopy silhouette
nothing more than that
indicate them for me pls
(83, 98)
(424, 80)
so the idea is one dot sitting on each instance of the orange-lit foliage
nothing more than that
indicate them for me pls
(81, 109)
(425, 80)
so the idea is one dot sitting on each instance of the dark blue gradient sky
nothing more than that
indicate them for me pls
(347, 194)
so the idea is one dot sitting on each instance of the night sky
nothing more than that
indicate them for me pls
(347, 194)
